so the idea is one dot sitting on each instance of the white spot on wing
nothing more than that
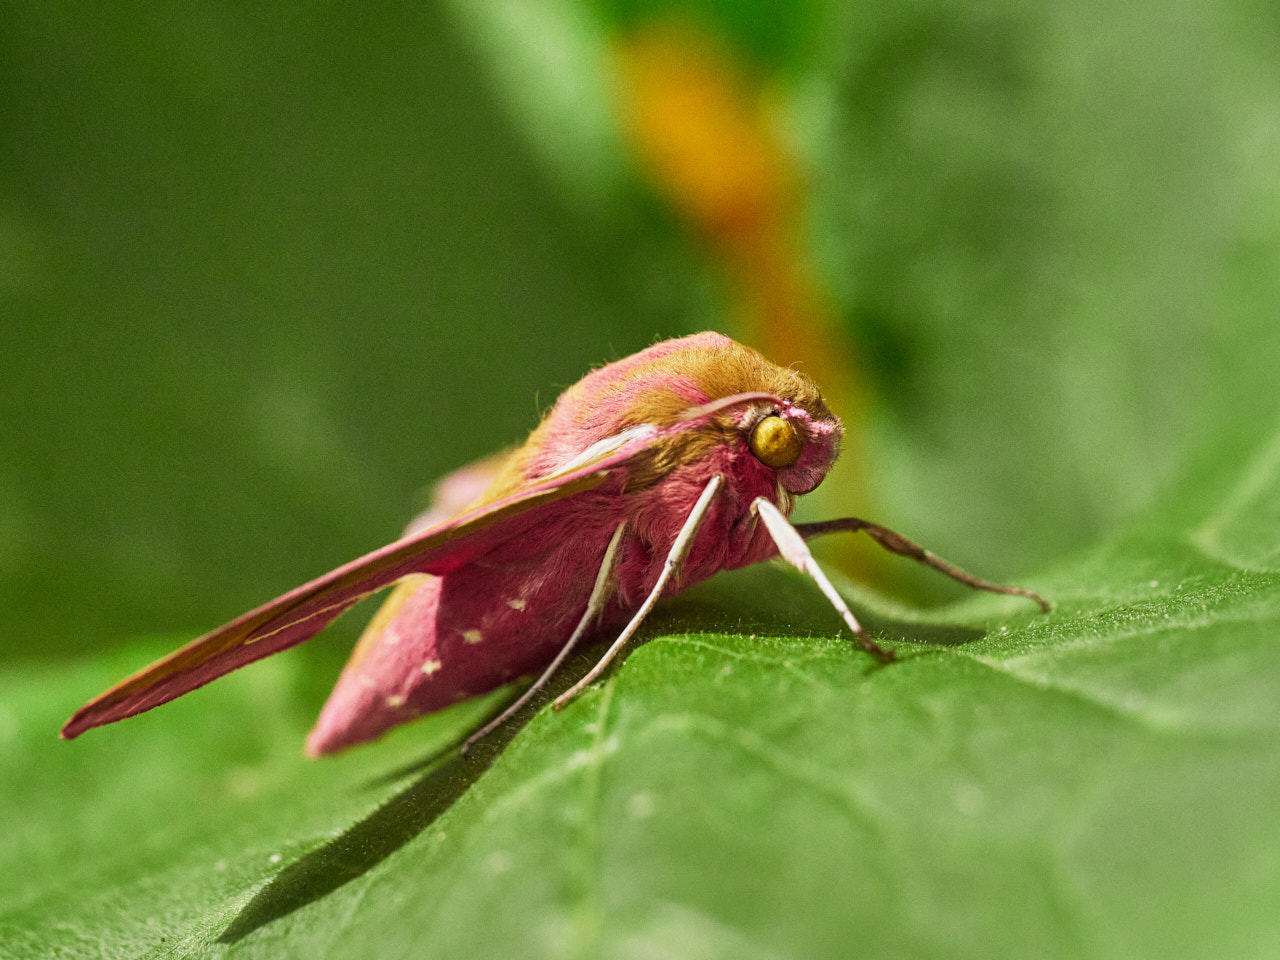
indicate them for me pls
(431, 666)
(472, 636)
(395, 701)
(517, 604)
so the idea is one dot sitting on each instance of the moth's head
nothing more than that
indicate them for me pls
(785, 427)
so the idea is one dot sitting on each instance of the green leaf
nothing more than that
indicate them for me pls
(1099, 781)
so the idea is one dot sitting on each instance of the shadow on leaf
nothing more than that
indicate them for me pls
(449, 774)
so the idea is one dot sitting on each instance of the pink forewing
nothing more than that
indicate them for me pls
(304, 611)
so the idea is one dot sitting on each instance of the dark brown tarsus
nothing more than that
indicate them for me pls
(897, 543)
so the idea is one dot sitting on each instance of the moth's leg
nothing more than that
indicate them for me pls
(897, 543)
(796, 552)
(679, 550)
(595, 607)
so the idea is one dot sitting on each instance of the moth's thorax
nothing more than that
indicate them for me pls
(656, 389)
(730, 536)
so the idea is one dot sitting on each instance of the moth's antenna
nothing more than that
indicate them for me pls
(726, 403)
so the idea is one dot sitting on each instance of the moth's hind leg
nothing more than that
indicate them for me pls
(897, 543)
(595, 607)
(675, 557)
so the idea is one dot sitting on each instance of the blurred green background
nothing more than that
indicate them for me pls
(266, 272)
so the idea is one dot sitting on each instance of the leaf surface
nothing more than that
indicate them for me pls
(1103, 780)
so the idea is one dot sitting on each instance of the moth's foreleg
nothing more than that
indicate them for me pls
(606, 580)
(675, 557)
(795, 551)
(897, 543)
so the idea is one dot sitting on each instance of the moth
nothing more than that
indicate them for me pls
(647, 476)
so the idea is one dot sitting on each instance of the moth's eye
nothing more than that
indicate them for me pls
(775, 442)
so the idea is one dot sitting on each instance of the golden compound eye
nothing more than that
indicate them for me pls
(775, 442)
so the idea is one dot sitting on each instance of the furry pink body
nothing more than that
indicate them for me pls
(494, 580)
(507, 612)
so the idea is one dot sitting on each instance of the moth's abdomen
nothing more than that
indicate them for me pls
(440, 640)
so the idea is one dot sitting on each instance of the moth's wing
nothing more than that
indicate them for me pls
(451, 495)
(304, 611)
